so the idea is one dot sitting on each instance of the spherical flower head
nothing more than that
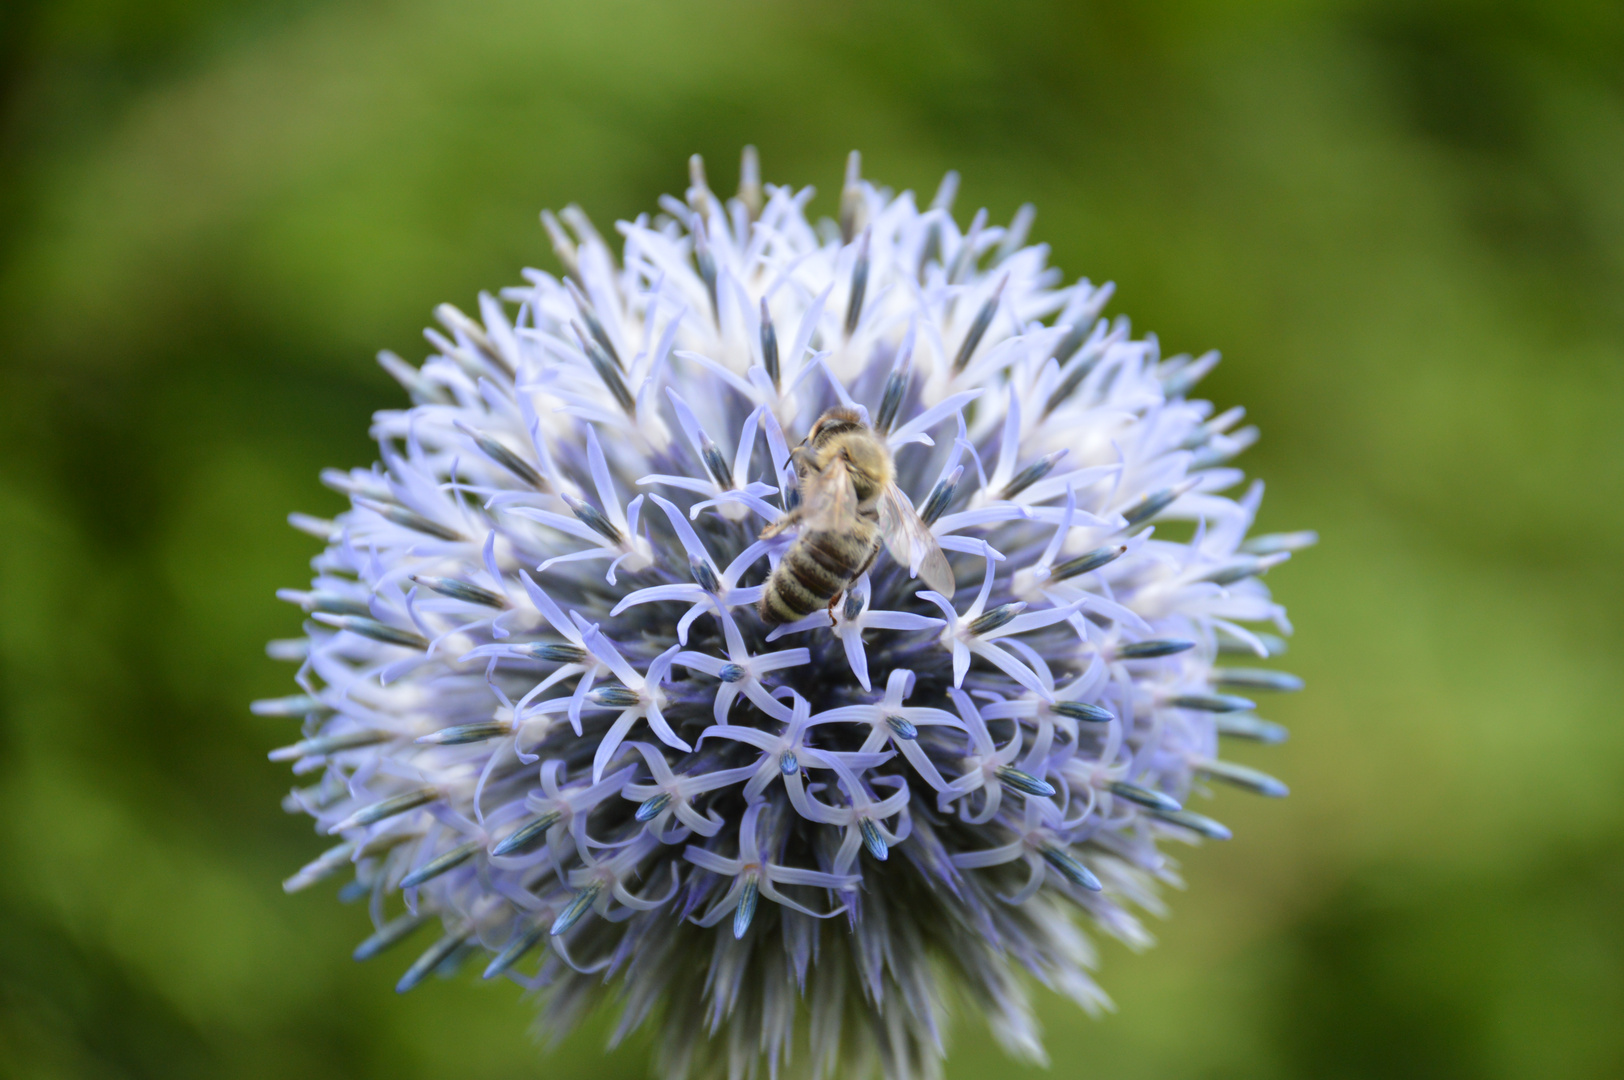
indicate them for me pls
(638, 692)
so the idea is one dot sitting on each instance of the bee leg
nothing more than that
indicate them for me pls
(834, 602)
(784, 521)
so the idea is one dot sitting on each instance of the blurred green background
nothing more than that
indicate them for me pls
(1402, 221)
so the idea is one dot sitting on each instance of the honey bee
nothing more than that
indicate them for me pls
(850, 505)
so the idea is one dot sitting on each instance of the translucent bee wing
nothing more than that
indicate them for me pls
(910, 542)
(828, 501)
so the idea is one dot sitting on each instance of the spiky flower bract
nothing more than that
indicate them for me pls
(543, 714)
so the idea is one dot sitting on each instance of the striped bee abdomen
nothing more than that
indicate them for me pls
(817, 568)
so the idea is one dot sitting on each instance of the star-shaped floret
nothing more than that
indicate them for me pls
(671, 793)
(853, 618)
(890, 721)
(1065, 708)
(638, 697)
(559, 810)
(786, 755)
(711, 590)
(864, 816)
(988, 768)
(611, 528)
(599, 883)
(975, 631)
(741, 671)
(726, 486)
(755, 873)
(1038, 841)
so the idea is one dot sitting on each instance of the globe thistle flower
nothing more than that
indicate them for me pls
(542, 712)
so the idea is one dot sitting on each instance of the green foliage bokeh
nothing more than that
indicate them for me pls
(1402, 222)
